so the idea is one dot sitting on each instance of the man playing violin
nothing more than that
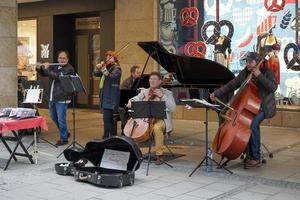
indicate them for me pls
(155, 92)
(58, 99)
(265, 81)
(109, 86)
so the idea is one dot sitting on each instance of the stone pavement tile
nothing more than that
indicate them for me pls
(172, 179)
(78, 186)
(137, 190)
(60, 180)
(42, 187)
(116, 195)
(264, 189)
(25, 193)
(244, 195)
(205, 193)
(292, 191)
(178, 189)
(232, 180)
(156, 184)
(80, 195)
(93, 188)
(23, 197)
(221, 187)
(203, 179)
(284, 196)
(186, 197)
(151, 196)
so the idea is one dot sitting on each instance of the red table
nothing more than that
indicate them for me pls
(17, 124)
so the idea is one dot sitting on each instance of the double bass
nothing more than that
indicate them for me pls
(234, 132)
(140, 129)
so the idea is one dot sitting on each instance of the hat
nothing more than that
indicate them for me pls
(251, 56)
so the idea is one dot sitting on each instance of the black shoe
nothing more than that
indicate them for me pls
(159, 160)
(61, 142)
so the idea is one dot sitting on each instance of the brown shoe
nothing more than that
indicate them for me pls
(252, 164)
(246, 160)
(159, 160)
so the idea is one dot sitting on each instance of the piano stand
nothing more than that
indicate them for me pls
(206, 157)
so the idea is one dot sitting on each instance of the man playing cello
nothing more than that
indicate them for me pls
(155, 92)
(264, 79)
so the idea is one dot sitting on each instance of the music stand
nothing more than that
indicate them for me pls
(205, 159)
(72, 84)
(34, 95)
(150, 110)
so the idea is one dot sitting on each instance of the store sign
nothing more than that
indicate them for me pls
(45, 52)
(87, 23)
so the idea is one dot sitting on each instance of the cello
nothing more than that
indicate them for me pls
(140, 129)
(234, 132)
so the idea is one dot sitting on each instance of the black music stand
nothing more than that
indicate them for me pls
(205, 159)
(150, 109)
(72, 85)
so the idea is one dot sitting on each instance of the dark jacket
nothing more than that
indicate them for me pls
(127, 83)
(266, 85)
(110, 93)
(54, 72)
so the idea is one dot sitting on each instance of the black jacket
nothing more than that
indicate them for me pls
(110, 93)
(127, 83)
(53, 72)
(266, 85)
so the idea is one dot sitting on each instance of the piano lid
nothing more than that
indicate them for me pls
(188, 70)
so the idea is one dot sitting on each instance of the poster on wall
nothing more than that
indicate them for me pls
(180, 24)
(253, 21)
(179, 33)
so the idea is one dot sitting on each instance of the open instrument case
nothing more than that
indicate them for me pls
(115, 161)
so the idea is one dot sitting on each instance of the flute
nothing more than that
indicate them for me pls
(32, 67)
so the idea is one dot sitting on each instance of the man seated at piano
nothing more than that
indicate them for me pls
(135, 73)
(157, 93)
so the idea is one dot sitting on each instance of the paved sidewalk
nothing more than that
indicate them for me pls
(279, 179)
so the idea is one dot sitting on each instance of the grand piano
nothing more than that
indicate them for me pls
(198, 76)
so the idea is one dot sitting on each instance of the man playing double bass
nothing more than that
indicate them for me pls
(155, 92)
(264, 79)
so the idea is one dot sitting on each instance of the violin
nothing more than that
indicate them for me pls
(234, 132)
(109, 59)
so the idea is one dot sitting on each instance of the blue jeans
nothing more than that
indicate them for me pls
(254, 143)
(58, 113)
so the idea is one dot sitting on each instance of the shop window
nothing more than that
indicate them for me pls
(27, 48)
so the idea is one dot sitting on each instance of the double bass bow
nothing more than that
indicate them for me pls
(234, 132)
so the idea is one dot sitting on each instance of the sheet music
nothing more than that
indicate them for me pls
(113, 159)
(204, 102)
(32, 96)
(201, 101)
